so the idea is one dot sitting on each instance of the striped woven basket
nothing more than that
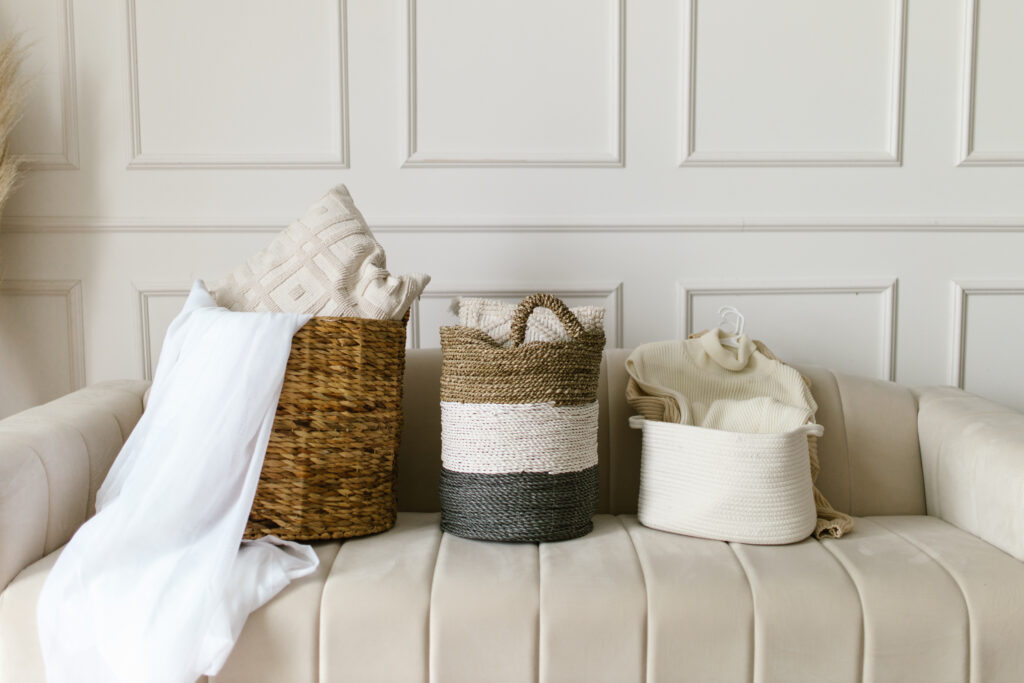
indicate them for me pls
(330, 468)
(519, 431)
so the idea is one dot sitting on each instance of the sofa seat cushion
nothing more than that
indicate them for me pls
(907, 598)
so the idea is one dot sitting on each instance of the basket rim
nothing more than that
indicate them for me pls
(724, 435)
(481, 338)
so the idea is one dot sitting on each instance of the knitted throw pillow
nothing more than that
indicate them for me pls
(495, 318)
(325, 263)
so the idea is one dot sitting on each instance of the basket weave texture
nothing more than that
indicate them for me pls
(330, 468)
(506, 476)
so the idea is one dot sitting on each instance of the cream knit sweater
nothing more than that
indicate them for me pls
(701, 382)
(710, 385)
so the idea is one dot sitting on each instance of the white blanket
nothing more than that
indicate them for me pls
(155, 586)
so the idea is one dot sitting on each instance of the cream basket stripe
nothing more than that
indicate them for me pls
(502, 438)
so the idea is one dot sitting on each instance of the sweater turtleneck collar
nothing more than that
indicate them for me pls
(728, 358)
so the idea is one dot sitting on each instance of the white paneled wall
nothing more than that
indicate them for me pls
(848, 174)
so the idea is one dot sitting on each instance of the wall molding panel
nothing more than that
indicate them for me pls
(890, 155)
(416, 157)
(799, 159)
(612, 292)
(144, 295)
(963, 290)
(335, 158)
(968, 156)
(885, 289)
(68, 157)
(71, 292)
(516, 224)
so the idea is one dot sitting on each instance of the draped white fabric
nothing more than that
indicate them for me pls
(156, 586)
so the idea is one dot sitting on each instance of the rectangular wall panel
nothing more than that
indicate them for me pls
(158, 306)
(47, 136)
(794, 82)
(507, 147)
(993, 104)
(529, 82)
(844, 326)
(41, 347)
(251, 83)
(988, 322)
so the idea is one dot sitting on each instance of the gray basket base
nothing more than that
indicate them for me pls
(525, 507)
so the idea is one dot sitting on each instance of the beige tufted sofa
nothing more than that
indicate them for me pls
(930, 586)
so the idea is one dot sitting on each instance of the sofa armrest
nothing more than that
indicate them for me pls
(972, 453)
(53, 459)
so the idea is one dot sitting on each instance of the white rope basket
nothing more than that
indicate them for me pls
(728, 486)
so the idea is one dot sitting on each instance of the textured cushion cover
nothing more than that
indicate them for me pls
(326, 263)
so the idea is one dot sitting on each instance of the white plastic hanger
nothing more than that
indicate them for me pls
(732, 338)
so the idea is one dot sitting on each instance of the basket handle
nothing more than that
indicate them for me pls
(525, 308)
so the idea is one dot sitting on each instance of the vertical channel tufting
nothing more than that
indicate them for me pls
(432, 616)
(321, 627)
(538, 674)
(835, 479)
(853, 582)
(427, 676)
(623, 442)
(537, 620)
(281, 639)
(993, 586)
(375, 612)
(796, 628)
(66, 464)
(881, 433)
(24, 508)
(483, 616)
(699, 607)
(593, 607)
(753, 605)
(969, 674)
(647, 597)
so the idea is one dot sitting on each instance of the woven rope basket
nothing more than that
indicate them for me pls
(330, 468)
(519, 431)
(728, 486)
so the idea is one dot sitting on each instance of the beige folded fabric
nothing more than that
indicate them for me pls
(325, 263)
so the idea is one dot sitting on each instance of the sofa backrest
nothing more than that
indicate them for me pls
(870, 457)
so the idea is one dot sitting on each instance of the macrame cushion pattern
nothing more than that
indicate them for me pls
(519, 430)
(327, 263)
(495, 318)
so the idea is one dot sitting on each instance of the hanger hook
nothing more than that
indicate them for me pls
(724, 312)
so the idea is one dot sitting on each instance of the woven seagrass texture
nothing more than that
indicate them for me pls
(477, 369)
(330, 467)
(493, 486)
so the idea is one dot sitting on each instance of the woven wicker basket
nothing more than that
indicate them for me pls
(519, 431)
(330, 468)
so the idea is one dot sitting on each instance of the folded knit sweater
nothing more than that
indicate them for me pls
(701, 382)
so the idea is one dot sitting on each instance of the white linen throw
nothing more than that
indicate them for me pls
(156, 586)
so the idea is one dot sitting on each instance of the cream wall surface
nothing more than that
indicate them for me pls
(848, 174)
